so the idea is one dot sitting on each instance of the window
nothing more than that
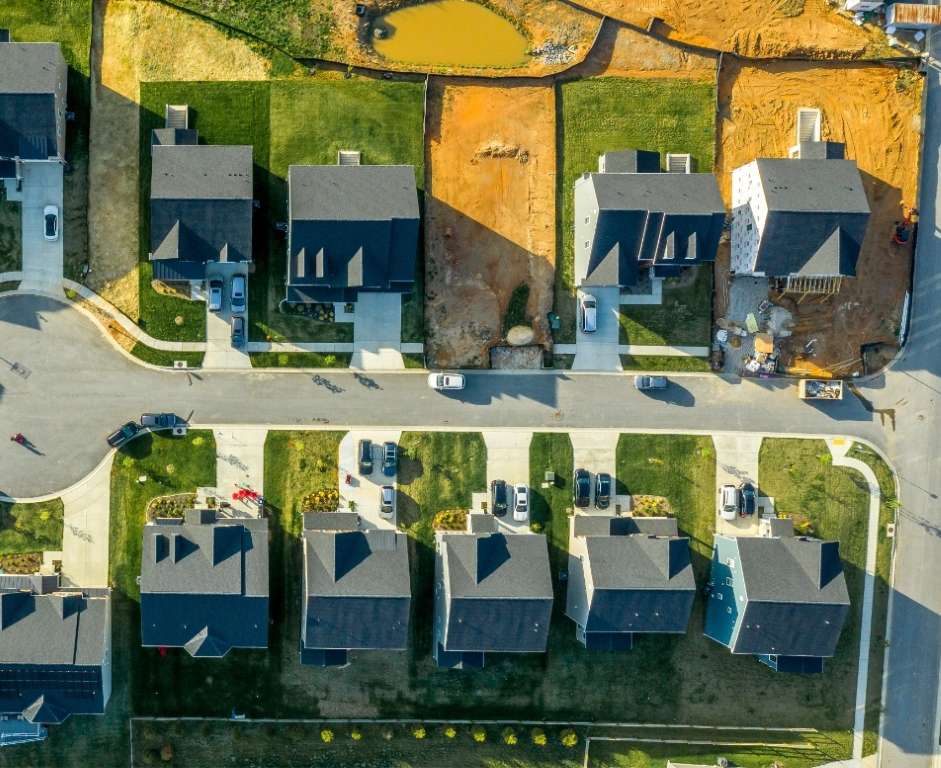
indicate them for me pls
(718, 595)
(587, 219)
(729, 581)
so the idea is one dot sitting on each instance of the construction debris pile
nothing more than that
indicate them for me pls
(748, 346)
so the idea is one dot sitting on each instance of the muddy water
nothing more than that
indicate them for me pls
(449, 32)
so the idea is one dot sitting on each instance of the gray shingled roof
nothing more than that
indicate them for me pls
(201, 172)
(500, 592)
(352, 228)
(610, 525)
(641, 582)
(797, 596)
(817, 217)
(204, 585)
(358, 589)
(32, 96)
(53, 643)
(29, 67)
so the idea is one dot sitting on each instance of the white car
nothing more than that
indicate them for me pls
(238, 294)
(387, 501)
(442, 381)
(215, 295)
(728, 502)
(589, 313)
(50, 218)
(520, 503)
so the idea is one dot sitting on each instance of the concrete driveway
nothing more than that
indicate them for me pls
(737, 463)
(240, 464)
(377, 332)
(596, 451)
(364, 490)
(508, 460)
(598, 351)
(42, 259)
(220, 353)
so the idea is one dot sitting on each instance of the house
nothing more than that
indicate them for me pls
(201, 205)
(352, 229)
(627, 575)
(33, 82)
(357, 589)
(204, 583)
(630, 217)
(55, 649)
(493, 594)
(779, 597)
(801, 220)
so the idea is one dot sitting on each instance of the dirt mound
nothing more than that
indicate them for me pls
(874, 110)
(490, 213)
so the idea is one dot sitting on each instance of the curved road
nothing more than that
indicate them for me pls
(65, 387)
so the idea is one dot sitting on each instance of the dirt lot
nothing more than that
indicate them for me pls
(490, 213)
(622, 51)
(875, 111)
(767, 28)
(135, 48)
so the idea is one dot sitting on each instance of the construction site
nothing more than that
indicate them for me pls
(489, 213)
(851, 325)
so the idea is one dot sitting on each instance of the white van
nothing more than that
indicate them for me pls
(589, 313)
(728, 502)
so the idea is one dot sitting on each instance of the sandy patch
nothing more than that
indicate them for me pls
(140, 41)
(766, 28)
(875, 111)
(490, 213)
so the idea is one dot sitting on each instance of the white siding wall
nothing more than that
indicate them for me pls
(749, 216)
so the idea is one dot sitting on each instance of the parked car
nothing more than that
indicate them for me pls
(390, 459)
(650, 382)
(589, 313)
(156, 421)
(749, 498)
(442, 381)
(365, 457)
(215, 295)
(581, 488)
(50, 218)
(602, 490)
(238, 330)
(729, 502)
(387, 501)
(498, 497)
(121, 435)
(520, 503)
(239, 292)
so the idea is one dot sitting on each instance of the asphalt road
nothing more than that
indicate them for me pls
(68, 388)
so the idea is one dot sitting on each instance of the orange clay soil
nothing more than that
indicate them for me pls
(490, 213)
(874, 110)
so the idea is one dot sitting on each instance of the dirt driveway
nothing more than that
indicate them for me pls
(875, 110)
(490, 213)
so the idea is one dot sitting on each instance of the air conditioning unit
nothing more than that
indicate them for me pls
(180, 364)
(179, 431)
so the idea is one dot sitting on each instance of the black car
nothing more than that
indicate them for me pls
(581, 488)
(498, 497)
(365, 457)
(602, 490)
(390, 459)
(120, 436)
(749, 499)
(159, 420)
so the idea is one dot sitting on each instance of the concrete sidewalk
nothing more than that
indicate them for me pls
(85, 535)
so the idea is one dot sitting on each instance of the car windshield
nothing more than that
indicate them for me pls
(604, 485)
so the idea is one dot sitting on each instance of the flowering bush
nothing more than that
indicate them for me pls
(509, 736)
(326, 735)
(479, 734)
(569, 738)
(539, 737)
(450, 731)
(419, 732)
(325, 500)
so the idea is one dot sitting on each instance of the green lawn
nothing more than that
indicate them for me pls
(67, 22)
(245, 745)
(602, 114)
(883, 586)
(413, 359)
(11, 245)
(683, 319)
(162, 357)
(300, 359)
(664, 363)
(799, 474)
(32, 527)
(650, 755)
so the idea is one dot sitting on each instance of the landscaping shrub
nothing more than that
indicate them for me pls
(450, 520)
(325, 500)
(536, 527)
(516, 308)
(450, 731)
(509, 736)
(539, 737)
(569, 738)
(356, 734)
(326, 735)
(24, 562)
(419, 732)
(166, 752)
(479, 734)
(387, 734)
